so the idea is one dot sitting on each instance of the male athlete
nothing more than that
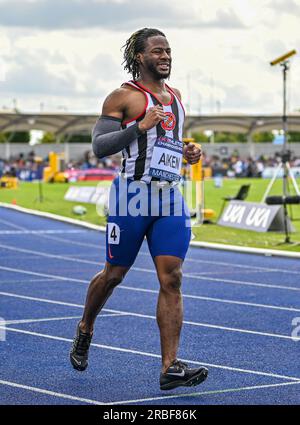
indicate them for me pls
(144, 119)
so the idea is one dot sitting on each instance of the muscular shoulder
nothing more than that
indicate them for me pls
(116, 103)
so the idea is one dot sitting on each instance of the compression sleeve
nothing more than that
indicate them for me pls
(108, 138)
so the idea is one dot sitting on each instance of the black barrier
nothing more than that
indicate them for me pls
(283, 200)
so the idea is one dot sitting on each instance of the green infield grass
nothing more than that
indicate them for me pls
(27, 195)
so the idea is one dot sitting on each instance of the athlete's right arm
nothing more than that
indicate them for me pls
(107, 136)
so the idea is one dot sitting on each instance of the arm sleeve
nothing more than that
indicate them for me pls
(108, 138)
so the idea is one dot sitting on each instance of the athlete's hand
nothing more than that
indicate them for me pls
(153, 116)
(192, 153)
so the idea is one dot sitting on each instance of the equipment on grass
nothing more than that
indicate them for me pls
(197, 176)
(240, 196)
(55, 172)
(9, 182)
(79, 210)
(285, 156)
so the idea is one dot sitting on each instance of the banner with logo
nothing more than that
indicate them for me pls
(254, 216)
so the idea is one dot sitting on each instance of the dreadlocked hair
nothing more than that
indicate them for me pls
(134, 45)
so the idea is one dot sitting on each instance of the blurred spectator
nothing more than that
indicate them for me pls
(232, 166)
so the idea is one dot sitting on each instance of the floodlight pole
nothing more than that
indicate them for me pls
(285, 154)
(285, 66)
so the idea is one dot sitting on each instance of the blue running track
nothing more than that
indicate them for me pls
(240, 312)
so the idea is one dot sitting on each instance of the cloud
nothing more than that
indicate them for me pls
(29, 73)
(112, 14)
(105, 67)
(289, 7)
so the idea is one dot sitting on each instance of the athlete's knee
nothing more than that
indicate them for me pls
(113, 277)
(171, 281)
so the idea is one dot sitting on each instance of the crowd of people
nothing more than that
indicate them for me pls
(230, 166)
(236, 166)
(26, 166)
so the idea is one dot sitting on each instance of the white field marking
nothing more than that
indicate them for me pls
(206, 393)
(241, 282)
(205, 245)
(219, 300)
(54, 277)
(14, 226)
(139, 269)
(244, 266)
(51, 393)
(157, 356)
(27, 281)
(184, 395)
(44, 254)
(186, 322)
(38, 232)
(50, 319)
(221, 263)
(56, 217)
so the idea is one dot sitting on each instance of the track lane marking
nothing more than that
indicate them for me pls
(206, 393)
(185, 322)
(140, 269)
(48, 392)
(219, 300)
(58, 277)
(221, 263)
(147, 354)
(50, 319)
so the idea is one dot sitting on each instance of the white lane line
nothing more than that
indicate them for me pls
(244, 266)
(242, 283)
(190, 260)
(219, 300)
(157, 356)
(56, 277)
(205, 245)
(50, 319)
(47, 392)
(140, 269)
(167, 397)
(27, 281)
(207, 393)
(185, 322)
(44, 254)
(14, 226)
(39, 232)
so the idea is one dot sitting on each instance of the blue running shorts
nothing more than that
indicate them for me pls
(138, 210)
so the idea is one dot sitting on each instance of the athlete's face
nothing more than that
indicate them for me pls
(156, 57)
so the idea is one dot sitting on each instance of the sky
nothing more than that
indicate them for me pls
(65, 55)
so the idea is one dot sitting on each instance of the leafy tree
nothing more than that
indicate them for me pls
(18, 137)
(200, 138)
(264, 137)
(294, 137)
(48, 138)
(77, 138)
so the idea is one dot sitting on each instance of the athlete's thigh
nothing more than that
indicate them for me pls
(169, 235)
(124, 237)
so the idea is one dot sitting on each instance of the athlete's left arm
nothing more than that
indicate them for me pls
(191, 152)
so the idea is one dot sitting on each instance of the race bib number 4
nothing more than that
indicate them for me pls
(166, 159)
(113, 233)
